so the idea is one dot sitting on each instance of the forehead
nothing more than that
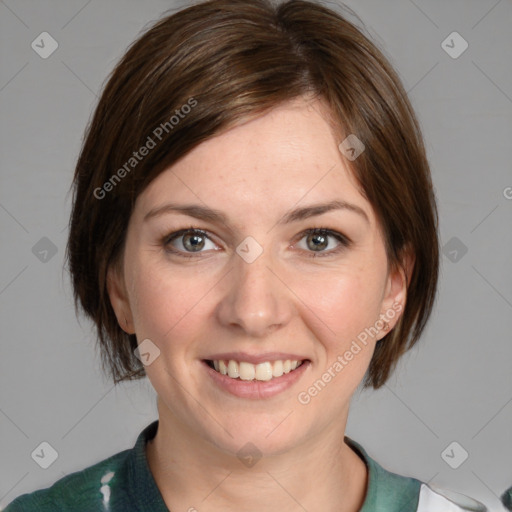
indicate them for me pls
(285, 157)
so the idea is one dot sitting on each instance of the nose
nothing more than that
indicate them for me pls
(256, 299)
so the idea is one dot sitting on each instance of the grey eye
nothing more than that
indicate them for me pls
(319, 241)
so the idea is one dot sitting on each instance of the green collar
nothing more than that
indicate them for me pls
(387, 492)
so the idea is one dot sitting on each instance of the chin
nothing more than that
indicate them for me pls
(270, 436)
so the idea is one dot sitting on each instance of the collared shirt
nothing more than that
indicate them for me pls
(124, 483)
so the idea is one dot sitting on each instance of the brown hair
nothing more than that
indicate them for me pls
(229, 60)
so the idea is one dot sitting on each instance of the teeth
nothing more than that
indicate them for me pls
(247, 371)
(233, 370)
(277, 369)
(262, 371)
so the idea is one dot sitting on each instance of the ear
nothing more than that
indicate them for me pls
(119, 299)
(395, 295)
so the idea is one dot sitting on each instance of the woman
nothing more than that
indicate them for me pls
(254, 228)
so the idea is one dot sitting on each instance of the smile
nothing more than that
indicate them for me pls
(244, 370)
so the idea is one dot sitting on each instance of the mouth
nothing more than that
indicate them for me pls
(245, 371)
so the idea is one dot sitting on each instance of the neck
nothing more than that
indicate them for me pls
(322, 473)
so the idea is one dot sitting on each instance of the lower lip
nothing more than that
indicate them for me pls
(257, 389)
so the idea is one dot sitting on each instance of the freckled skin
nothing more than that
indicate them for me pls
(284, 301)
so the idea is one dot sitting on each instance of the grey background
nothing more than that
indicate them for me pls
(456, 385)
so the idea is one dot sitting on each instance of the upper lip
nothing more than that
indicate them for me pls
(255, 358)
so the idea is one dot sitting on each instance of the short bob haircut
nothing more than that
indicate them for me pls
(211, 66)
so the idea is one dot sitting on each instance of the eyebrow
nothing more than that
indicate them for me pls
(298, 214)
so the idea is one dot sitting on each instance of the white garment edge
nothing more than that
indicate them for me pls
(431, 500)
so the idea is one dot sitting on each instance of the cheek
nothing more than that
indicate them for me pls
(341, 308)
(166, 304)
(347, 301)
(340, 315)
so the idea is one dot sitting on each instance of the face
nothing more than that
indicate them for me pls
(255, 286)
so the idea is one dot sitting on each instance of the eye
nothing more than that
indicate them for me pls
(190, 240)
(317, 240)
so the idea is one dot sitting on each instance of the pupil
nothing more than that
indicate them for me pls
(320, 245)
(195, 245)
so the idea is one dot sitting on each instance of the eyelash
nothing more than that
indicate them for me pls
(344, 241)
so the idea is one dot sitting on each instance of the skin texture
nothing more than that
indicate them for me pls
(284, 301)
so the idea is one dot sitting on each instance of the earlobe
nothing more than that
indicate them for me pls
(119, 299)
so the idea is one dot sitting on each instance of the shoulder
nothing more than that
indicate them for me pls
(83, 490)
(391, 492)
